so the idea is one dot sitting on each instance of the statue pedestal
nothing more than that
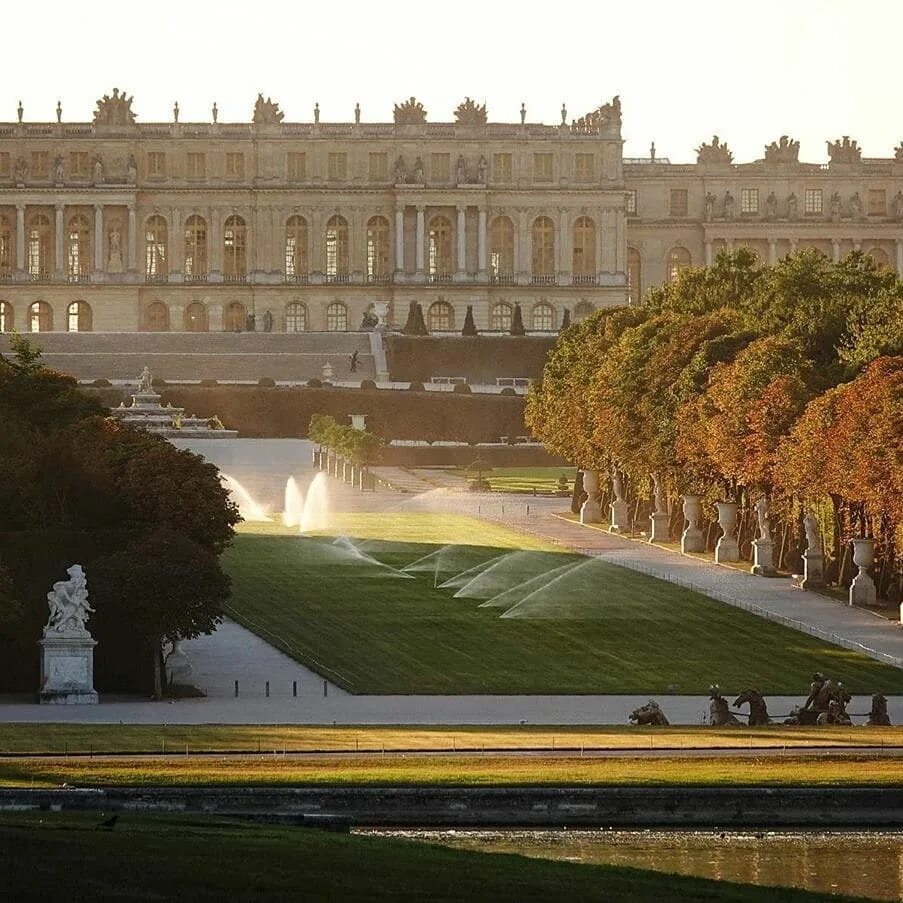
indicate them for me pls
(591, 512)
(813, 570)
(726, 549)
(660, 522)
(620, 518)
(67, 668)
(763, 558)
(862, 590)
(692, 540)
(178, 665)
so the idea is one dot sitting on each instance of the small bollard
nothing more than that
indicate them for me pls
(295, 688)
(236, 689)
(325, 688)
(267, 689)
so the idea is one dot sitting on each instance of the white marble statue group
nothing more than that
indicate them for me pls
(68, 601)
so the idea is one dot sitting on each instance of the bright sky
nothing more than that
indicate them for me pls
(685, 69)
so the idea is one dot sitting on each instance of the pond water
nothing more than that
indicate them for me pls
(867, 864)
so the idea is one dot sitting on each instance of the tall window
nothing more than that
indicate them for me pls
(295, 317)
(337, 247)
(195, 319)
(630, 203)
(584, 248)
(40, 164)
(78, 246)
(879, 255)
(678, 206)
(338, 167)
(501, 248)
(296, 258)
(235, 261)
(156, 317)
(542, 167)
(814, 200)
(543, 317)
(39, 246)
(79, 317)
(633, 276)
(501, 167)
(6, 248)
(440, 167)
(6, 317)
(379, 167)
(40, 317)
(156, 164)
(235, 166)
(4, 164)
(877, 202)
(543, 246)
(78, 165)
(584, 167)
(377, 249)
(236, 317)
(155, 248)
(582, 311)
(337, 317)
(296, 166)
(678, 259)
(441, 317)
(749, 200)
(196, 167)
(440, 248)
(500, 317)
(195, 246)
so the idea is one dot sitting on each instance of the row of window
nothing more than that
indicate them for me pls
(39, 317)
(440, 168)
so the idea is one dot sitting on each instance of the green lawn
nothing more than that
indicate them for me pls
(497, 625)
(524, 479)
(199, 858)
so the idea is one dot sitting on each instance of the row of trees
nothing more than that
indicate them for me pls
(146, 520)
(354, 445)
(739, 380)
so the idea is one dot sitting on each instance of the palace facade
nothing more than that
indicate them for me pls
(117, 226)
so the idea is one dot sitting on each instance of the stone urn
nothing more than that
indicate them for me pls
(692, 539)
(727, 549)
(591, 510)
(862, 589)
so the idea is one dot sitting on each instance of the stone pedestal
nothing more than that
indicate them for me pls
(727, 549)
(620, 517)
(659, 526)
(591, 510)
(813, 570)
(763, 558)
(862, 589)
(67, 668)
(692, 539)
(178, 665)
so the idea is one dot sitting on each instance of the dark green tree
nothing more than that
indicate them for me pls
(517, 321)
(469, 328)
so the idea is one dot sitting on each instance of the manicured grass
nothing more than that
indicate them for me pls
(59, 739)
(524, 479)
(345, 611)
(271, 769)
(194, 858)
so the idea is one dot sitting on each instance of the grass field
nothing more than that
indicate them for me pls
(524, 479)
(347, 610)
(195, 858)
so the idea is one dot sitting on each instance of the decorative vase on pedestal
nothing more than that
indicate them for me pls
(726, 549)
(692, 539)
(862, 589)
(591, 510)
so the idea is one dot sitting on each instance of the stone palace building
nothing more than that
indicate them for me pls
(119, 226)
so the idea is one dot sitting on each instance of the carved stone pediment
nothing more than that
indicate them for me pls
(470, 113)
(410, 112)
(716, 152)
(267, 112)
(592, 123)
(845, 151)
(115, 109)
(784, 150)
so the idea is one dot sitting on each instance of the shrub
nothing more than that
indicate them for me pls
(158, 381)
(315, 383)
(416, 387)
(105, 383)
(209, 383)
(368, 384)
(267, 382)
(461, 389)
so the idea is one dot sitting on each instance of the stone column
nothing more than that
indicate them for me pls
(59, 241)
(900, 256)
(481, 243)
(133, 263)
(563, 251)
(835, 250)
(399, 241)
(692, 539)
(421, 228)
(794, 244)
(727, 549)
(461, 236)
(772, 251)
(862, 589)
(708, 252)
(591, 510)
(175, 244)
(20, 237)
(215, 236)
(98, 238)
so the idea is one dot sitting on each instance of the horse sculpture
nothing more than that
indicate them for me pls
(758, 709)
(878, 716)
(826, 704)
(649, 714)
(719, 713)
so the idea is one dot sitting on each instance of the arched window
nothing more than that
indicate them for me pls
(633, 276)
(235, 263)
(377, 249)
(40, 317)
(155, 235)
(40, 243)
(78, 247)
(879, 255)
(295, 317)
(501, 250)
(156, 317)
(543, 317)
(337, 317)
(6, 317)
(582, 311)
(6, 248)
(195, 318)
(584, 250)
(337, 249)
(196, 247)
(543, 248)
(678, 259)
(441, 317)
(297, 264)
(500, 317)
(79, 317)
(236, 317)
(440, 249)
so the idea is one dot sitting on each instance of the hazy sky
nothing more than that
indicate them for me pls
(685, 69)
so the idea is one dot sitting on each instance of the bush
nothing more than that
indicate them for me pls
(158, 381)
(461, 389)
(416, 387)
(508, 391)
(209, 383)
(267, 382)
(368, 384)
(315, 383)
(104, 383)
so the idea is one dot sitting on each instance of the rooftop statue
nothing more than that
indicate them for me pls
(716, 152)
(267, 112)
(845, 151)
(114, 110)
(470, 113)
(411, 112)
(68, 601)
(784, 150)
(898, 152)
(591, 123)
